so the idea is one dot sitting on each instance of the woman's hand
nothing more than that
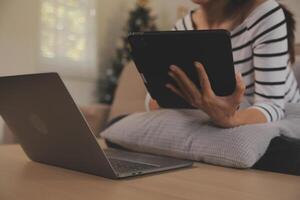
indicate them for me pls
(222, 110)
(153, 105)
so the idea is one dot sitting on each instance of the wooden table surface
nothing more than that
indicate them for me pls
(23, 179)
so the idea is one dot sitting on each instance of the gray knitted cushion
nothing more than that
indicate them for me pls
(188, 134)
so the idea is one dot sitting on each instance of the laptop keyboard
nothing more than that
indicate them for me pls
(123, 166)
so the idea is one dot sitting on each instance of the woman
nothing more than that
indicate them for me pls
(262, 35)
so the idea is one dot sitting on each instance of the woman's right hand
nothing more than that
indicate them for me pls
(221, 109)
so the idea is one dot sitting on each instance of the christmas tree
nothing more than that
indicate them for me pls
(140, 20)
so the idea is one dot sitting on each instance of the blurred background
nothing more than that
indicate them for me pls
(83, 40)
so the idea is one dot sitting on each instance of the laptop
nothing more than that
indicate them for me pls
(51, 130)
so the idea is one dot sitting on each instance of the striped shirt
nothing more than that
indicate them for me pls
(260, 54)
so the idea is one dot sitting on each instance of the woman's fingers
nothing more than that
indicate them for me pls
(185, 84)
(181, 86)
(176, 91)
(204, 80)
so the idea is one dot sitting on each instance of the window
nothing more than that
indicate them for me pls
(67, 36)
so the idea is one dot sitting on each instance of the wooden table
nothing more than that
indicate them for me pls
(23, 179)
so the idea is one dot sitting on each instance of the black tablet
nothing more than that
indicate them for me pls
(154, 52)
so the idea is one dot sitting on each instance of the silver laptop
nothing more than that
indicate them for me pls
(51, 130)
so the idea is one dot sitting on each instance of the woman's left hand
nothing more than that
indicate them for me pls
(222, 110)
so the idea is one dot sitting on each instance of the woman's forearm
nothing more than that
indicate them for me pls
(242, 117)
(249, 116)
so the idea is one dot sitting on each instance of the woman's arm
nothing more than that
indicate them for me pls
(240, 117)
(271, 68)
(249, 116)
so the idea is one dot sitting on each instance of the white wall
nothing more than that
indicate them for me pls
(19, 47)
(17, 38)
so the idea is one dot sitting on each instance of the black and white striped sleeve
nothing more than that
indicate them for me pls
(270, 60)
(184, 24)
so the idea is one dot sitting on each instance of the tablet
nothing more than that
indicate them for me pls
(154, 53)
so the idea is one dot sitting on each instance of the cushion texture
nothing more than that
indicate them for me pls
(189, 134)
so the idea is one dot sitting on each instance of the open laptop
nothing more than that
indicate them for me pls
(51, 130)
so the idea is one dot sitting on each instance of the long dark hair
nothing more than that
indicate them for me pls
(290, 22)
(291, 27)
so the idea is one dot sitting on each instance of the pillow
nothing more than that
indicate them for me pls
(188, 134)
